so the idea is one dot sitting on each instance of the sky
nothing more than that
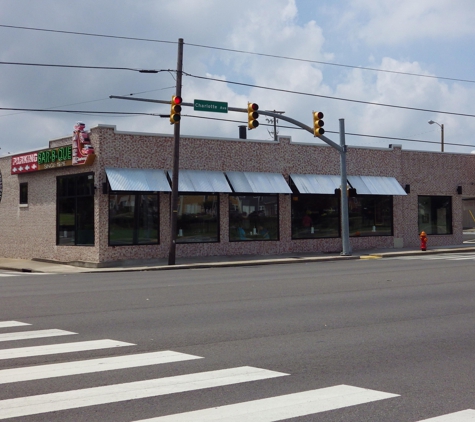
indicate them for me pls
(386, 67)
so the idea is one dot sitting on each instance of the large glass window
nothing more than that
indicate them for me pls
(197, 218)
(75, 210)
(315, 216)
(253, 217)
(133, 219)
(371, 215)
(435, 214)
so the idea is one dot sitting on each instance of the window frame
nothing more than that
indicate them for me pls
(375, 233)
(218, 217)
(136, 218)
(255, 237)
(23, 191)
(74, 196)
(314, 235)
(449, 215)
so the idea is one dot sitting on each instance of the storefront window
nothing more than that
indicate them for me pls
(197, 219)
(253, 217)
(133, 219)
(435, 214)
(315, 216)
(371, 215)
(75, 210)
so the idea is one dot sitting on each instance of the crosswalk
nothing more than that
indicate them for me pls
(6, 273)
(271, 409)
(465, 256)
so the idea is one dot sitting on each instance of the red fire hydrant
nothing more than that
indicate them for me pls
(423, 238)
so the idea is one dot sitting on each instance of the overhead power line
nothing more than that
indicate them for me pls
(361, 135)
(89, 112)
(248, 85)
(87, 67)
(329, 96)
(372, 69)
(78, 111)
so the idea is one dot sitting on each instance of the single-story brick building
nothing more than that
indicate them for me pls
(104, 197)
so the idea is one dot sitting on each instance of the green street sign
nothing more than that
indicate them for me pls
(213, 106)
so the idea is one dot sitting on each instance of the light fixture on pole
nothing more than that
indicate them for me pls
(431, 122)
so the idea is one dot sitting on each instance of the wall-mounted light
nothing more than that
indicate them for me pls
(407, 188)
(459, 190)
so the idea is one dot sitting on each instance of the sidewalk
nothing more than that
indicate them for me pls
(24, 265)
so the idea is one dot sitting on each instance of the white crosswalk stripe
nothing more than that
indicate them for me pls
(446, 257)
(463, 416)
(19, 273)
(33, 405)
(55, 349)
(91, 366)
(282, 407)
(8, 324)
(27, 335)
(272, 409)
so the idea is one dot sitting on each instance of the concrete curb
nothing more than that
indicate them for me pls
(34, 266)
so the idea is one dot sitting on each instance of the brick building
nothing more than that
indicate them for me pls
(235, 197)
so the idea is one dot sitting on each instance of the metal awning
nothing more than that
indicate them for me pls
(376, 185)
(255, 182)
(201, 181)
(316, 183)
(364, 185)
(144, 180)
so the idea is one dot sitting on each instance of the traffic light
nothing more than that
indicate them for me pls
(318, 123)
(175, 109)
(252, 115)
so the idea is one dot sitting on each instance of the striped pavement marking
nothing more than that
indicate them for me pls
(282, 407)
(91, 366)
(33, 405)
(27, 335)
(449, 257)
(53, 349)
(8, 324)
(463, 416)
(19, 273)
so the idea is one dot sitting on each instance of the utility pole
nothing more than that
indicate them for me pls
(345, 221)
(176, 160)
(274, 120)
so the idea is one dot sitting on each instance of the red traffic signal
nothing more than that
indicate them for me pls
(175, 109)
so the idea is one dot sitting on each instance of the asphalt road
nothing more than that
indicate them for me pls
(405, 327)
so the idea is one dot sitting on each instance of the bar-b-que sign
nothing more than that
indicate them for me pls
(79, 152)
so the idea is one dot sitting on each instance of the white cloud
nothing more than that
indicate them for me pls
(394, 22)
(381, 34)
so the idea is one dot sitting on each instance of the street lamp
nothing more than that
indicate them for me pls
(431, 122)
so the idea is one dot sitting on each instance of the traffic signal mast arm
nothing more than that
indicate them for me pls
(244, 110)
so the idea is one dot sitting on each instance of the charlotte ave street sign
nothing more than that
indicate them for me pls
(213, 106)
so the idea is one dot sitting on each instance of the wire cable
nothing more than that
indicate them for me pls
(329, 97)
(242, 52)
